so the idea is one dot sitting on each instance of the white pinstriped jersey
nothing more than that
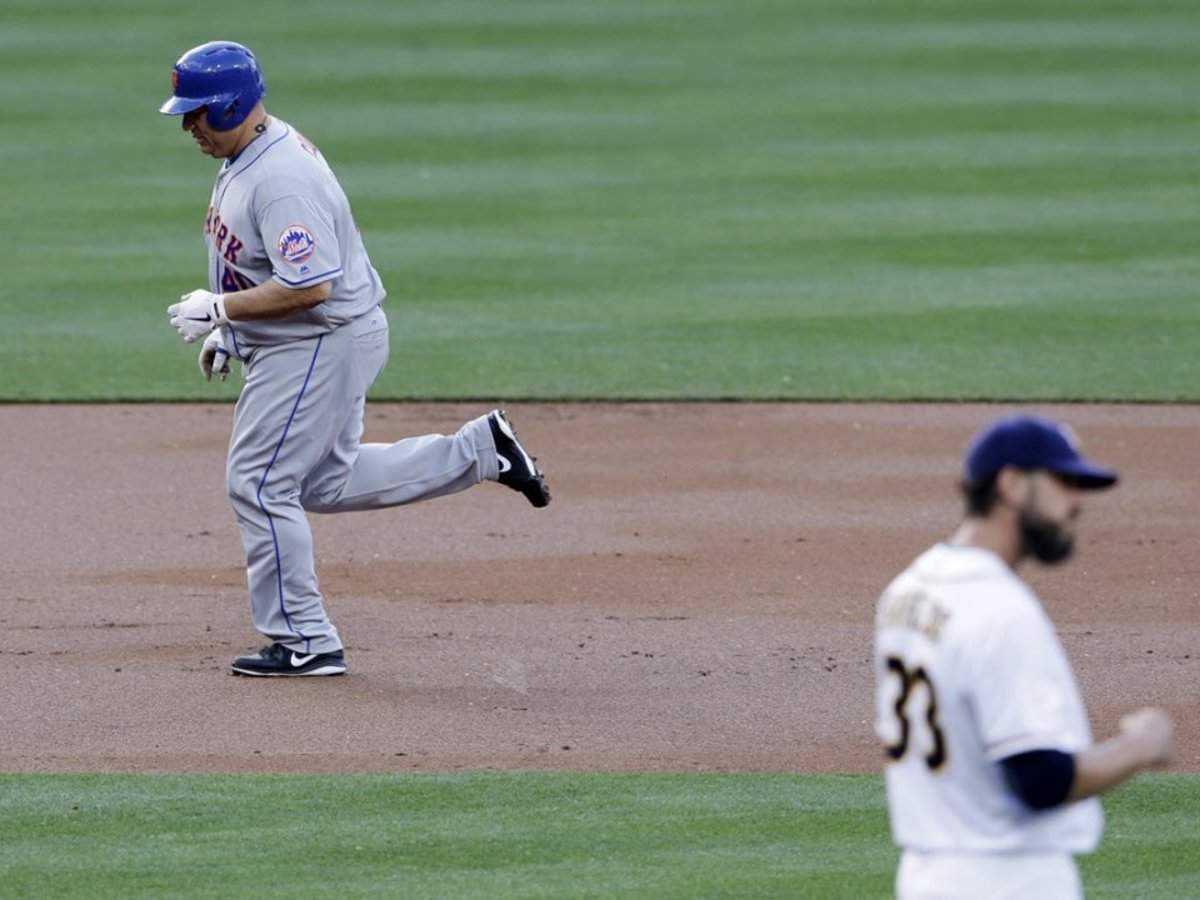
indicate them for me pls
(968, 671)
(277, 211)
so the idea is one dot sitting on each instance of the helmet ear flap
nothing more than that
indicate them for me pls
(227, 113)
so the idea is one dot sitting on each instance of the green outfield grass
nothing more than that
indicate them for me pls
(513, 835)
(643, 198)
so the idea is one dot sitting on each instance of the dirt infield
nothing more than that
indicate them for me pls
(699, 595)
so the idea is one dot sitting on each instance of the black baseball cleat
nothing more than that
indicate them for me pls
(518, 470)
(280, 661)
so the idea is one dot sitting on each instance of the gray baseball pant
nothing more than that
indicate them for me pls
(295, 447)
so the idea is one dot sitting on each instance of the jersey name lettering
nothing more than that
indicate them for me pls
(917, 611)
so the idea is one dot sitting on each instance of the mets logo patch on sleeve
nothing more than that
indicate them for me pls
(297, 244)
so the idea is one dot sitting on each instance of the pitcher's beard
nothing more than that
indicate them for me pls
(1046, 541)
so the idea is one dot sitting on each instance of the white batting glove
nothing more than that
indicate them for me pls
(196, 314)
(214, 357)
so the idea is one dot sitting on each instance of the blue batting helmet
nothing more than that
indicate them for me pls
(221, 75)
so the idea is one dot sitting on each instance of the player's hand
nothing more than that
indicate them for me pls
(1154, 733)
(214, 357)
(196, 314)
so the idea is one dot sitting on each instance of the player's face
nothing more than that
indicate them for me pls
(218, 144)
(1047, 517)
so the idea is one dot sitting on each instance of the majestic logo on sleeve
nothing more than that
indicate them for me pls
(297, 244)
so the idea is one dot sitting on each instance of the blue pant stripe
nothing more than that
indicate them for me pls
(258, 494)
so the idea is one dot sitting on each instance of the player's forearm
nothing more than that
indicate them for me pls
(1106, 765)
(271, 300)
(1145, 741)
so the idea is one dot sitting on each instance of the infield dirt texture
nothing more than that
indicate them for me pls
(699, 595)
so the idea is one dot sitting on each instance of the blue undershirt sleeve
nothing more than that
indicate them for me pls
(1041, 778)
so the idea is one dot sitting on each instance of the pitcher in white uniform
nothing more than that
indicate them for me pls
(992, 774)
(294, 297)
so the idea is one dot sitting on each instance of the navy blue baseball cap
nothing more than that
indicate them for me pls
(1032, 442)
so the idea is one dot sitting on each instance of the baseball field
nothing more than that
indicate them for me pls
(882, 221)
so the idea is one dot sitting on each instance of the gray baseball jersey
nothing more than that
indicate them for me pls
(277, 211)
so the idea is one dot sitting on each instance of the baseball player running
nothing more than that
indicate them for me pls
(992, 774)
(293, 296)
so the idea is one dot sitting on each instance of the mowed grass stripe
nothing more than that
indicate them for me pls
(806, 200)
(512, 835)
(462, 836)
